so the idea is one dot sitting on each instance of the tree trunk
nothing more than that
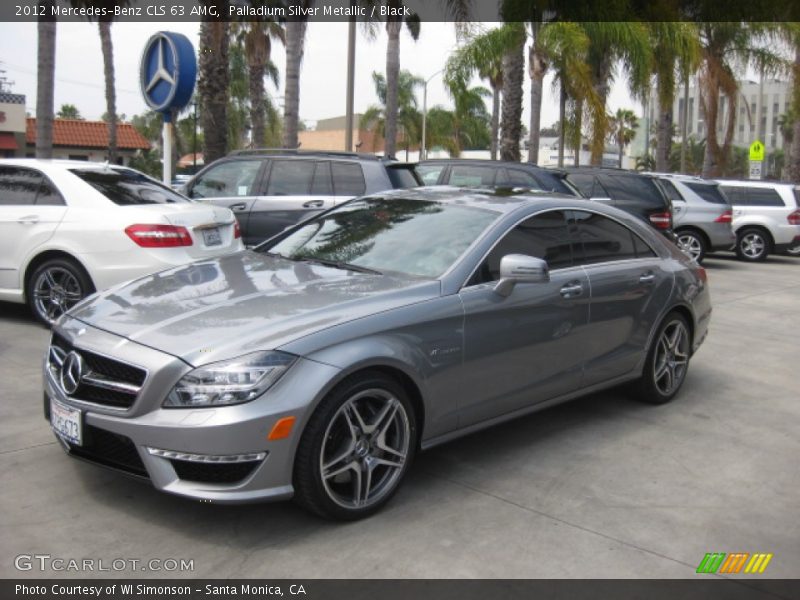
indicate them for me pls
(257, 49)
(578, 132)
(562, 114)
(392, 76)
(45, 86)
(111, 95)
(510, 130)
(495, 120)
(621, 147)
(295, 42)
(212, 88)
(793, 161)
(601, 75)
(663, 137)
(685, 124)
(538, 67)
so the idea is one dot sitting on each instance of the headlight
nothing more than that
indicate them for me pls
(229, 382)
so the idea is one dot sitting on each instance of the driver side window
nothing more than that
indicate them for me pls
(544, 236)
(227, 180)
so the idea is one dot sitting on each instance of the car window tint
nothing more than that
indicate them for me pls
(18, 187)
(519, 178)
(348, 179)
(763, 197)
(429, 173)
(291, 177)
(585, 182)
(670, 190)
(226, 180)
(469, 176)
(48, 194)
(633, 188)
(643, 250)
(733, 195)
(322, 183)
(601, 239)
(402, 177)
(544, 236)
(709, 193)
(125, 188)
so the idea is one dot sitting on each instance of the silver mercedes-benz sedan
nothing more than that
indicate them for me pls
(318, 364)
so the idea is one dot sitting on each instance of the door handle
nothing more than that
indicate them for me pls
(573, 288)
(647, 278)
(314, 204)
(28, 220)
(238, 207)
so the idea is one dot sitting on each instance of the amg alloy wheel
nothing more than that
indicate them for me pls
(667, 362)
(692, 244)
(356, 448)
(55, 287)
(752, 245)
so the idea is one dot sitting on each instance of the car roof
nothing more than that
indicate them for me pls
(681, 177)
(605, 171)
(296, 152)
(756, 183)
(48, 164)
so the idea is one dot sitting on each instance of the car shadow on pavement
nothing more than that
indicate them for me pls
(17, 313)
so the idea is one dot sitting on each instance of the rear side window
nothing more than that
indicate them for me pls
(48, 194)
(402, 177)
(227, 180)
(762, 197)
(469, 176)
(291, 177)
(587, 185)
(348, 179)
(126, 188)
(670, 191)
(322, 184)
(18, 187)
(797, 196)
(709, 193)
(429, 173)
(631, 188)
(519, 178)
(732, 194)
(600, 239)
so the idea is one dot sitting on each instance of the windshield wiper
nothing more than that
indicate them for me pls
(339, 265)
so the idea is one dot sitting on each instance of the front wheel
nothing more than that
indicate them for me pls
(56, 286)
(752, 245)
(693, 244)
(667, 362)
(356, 448)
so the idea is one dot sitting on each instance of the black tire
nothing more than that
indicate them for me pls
(693, 243)
(329, 433)
(753, 244)
(56, 286)
(651, 388)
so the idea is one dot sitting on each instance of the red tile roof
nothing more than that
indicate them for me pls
(89, 134)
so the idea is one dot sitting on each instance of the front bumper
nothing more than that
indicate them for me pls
(122, 438)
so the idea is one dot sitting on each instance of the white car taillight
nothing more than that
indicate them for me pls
(159, 236)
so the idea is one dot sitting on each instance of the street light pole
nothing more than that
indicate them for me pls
(351, 76)
(423, 154)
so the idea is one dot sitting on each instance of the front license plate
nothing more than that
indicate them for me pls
(66, 422)
(212, 237)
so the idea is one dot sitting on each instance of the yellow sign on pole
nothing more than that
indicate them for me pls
(757, 151)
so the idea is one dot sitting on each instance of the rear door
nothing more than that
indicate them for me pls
(629, 287)
(30, 210)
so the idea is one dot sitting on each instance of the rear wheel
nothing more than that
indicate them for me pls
(56, 286)
(693, 244)
(356, 448)
(752, 245)
(667, 362)
(794, 251)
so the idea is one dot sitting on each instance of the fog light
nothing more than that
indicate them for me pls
(208, 458)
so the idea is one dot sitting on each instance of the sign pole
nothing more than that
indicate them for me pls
(166, 136)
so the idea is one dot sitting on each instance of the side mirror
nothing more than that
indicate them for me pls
(519, 268)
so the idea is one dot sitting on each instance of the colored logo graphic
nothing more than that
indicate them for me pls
(720, 562)
(168, 71)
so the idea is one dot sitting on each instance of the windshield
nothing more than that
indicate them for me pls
(128, 187)
(414, 237)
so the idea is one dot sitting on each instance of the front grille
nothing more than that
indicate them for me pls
(110, 450)
(109, 382)
(213, 472)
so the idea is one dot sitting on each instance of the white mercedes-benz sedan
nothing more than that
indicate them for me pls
(69, 228)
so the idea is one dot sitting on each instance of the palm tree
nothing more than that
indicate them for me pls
(724, 44)
(45, 82)
(513, 66)
(623, 129)
(792, 142)
(104, 26)
(69, 111)
(212, 87)
(467, 125)
(257, 38)
(408, 117)
(483, 54)
(295, 44)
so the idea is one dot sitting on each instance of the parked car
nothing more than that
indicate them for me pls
(701, 214)
(269, 190)
(492, 173)
(68, 228)
(630, 191)
(318, 364)
(766, 217)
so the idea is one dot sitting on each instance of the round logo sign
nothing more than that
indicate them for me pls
(72, 372)
(168, 71)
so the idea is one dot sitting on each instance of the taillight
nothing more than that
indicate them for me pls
(662, 220)
(701, 273)
(726, 217)
(159, 236)
(237, 233)
(794, 218)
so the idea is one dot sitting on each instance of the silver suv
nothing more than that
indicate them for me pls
(701, 215)
(766, 217)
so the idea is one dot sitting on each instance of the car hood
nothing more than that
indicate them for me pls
(216, 309)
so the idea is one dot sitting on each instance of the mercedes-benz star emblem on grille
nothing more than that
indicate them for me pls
(72, 371)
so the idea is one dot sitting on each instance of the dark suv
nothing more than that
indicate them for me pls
(467, 172)
(630, 191)
(269, 190)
